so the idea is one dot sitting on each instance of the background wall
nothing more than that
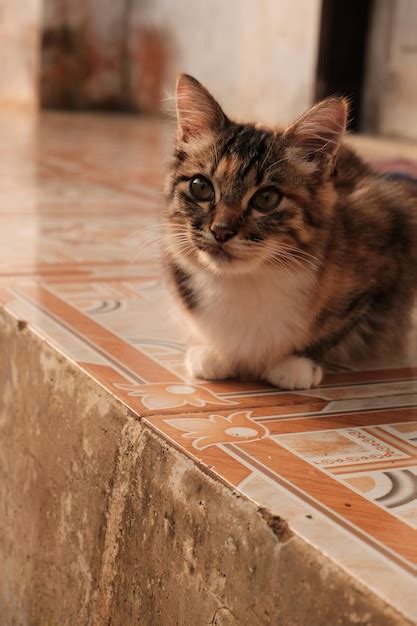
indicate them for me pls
(19, 36)
(258, 57)
(84, 53)
(390, 99)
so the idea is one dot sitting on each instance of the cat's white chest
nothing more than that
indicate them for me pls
(252, 320)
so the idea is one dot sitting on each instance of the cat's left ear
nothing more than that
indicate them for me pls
(197, 110)
(320, 130)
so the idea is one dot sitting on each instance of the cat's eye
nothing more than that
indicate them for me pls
(266, 199)
(201, 189)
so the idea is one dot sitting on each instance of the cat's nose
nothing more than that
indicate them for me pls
(223, 232)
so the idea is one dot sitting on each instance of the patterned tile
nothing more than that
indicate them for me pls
(79, 231)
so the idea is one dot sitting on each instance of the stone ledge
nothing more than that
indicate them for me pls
(103, 521)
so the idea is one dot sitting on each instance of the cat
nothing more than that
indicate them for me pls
(285, 250)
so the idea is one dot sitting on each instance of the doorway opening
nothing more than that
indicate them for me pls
(344, 31)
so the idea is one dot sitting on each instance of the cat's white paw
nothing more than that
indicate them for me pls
(201, 363)
(295, 372)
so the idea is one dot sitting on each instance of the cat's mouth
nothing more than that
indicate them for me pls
(218, 252)
(220, 258)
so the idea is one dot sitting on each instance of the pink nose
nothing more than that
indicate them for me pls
(222, 232)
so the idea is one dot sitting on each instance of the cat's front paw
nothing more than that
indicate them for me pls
(295, 372)
(202, 363)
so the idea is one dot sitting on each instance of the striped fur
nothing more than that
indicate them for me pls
(328, 276)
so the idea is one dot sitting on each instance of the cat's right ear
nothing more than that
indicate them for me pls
(321, 129)
(197, 110)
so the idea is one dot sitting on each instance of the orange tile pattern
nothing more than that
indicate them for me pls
(79, 211)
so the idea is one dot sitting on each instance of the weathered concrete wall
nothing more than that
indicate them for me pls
(390, 99)
(84, 54)
(20, 24)
(258, 57)
(192, 553)
(103, 522)
(59, 436)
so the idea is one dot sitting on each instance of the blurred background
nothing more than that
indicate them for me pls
(265, 60)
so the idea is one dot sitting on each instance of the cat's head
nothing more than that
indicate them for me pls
(240, 195)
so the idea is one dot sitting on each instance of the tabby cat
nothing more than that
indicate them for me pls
(285, 250)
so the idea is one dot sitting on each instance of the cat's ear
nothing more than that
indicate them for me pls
(197, 110)
(321, 129)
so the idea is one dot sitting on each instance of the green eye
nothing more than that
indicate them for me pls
(201, 189)
(266, 199)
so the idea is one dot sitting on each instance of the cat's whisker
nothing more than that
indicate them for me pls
(290, 157)
(150, 228)
(137, 233)
(291, 258)
(278, 247)
(282, 266)
(159, 241)
(297, 254)
(302, 263)
(294, 254)
(271, 146)
(216, 156)
(283, 262)
(183, 248)
(290, 253)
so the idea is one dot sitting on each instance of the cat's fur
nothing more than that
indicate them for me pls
(327, 276)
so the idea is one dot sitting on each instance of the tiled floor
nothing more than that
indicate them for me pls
(80, 198)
